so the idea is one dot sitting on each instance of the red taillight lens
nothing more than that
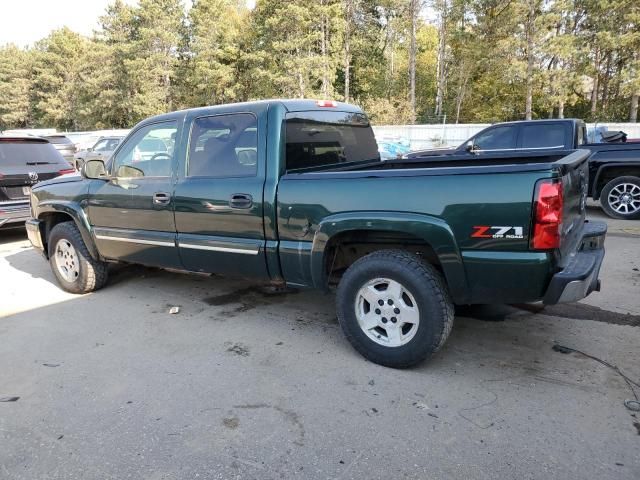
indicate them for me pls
(547, 222)
(66, 170)
(326, 103)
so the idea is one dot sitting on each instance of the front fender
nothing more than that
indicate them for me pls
(432, 230)
(77, 214)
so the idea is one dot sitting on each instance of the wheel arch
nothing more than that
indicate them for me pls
(53, 213)
(429, 237)
(610, 171)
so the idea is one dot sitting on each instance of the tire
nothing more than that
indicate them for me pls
(72, 264)
(376, 277)
(620, 198)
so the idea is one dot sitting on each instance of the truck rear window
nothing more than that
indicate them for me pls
(17, 153)
(321, 139)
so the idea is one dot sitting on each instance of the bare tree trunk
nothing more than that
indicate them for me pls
(323, 51)
(605, 83)
(349, 7)
(462, 90)
(530, 33)
(414, 6)
(633, 111)
(594, 93)
(442, 47)
(561, 109)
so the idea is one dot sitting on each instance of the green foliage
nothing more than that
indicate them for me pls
(499, 59)
(15, 87)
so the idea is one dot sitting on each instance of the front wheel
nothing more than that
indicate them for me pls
(394, 308)
(620, 198)
(72, 264)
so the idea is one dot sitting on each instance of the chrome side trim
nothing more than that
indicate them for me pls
(157, 243)
(245, 251)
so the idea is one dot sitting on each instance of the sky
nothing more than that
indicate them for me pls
(24, 22)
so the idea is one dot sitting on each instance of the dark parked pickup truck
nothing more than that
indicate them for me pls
(294, 192)
(614, 168)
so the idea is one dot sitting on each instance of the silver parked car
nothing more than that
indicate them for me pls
(64, 145)
(101, 150)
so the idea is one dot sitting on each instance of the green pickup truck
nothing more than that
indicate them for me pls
(293, 192)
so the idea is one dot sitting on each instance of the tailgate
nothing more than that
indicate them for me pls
(574, 171)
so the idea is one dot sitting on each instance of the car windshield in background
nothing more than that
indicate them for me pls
(16, 153)
(323, 139)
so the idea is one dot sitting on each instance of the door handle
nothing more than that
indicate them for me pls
(161, 198)
(241, 200)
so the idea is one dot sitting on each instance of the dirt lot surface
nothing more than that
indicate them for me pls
(240, 384)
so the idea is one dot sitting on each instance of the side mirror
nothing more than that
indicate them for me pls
(90, 149)
(94, 169)
(470, 147)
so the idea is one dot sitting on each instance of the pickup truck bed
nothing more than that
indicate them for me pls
(614, 168)
(293, 192)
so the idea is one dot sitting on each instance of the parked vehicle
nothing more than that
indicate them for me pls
(294, 192)
(101, 150)
(614, 168)
(64, 145)
(23, 162)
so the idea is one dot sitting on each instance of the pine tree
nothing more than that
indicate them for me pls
(15, 87)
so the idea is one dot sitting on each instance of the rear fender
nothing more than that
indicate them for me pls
(602, 170)
(434, 231)
(75, 212)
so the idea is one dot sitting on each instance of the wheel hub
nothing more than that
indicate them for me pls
(66, 260)
(387, 312)
(624, 198)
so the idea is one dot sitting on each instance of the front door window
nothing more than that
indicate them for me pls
(148, 153)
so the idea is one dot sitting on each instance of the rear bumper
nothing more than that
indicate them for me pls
(580, 277)
(14, 212)
(33, 232)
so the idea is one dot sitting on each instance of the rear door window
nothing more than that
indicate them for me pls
(498, 138)
(224, 146)
(321, 139)
(544, 135)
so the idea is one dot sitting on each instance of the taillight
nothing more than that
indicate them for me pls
(64, 171)
(547, 220)
(326, 103)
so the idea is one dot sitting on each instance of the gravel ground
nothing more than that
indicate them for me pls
(240, 384)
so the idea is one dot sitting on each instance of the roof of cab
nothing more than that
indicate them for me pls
(291, 105)
(543, 120)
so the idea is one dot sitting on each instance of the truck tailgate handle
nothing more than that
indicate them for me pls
(241, 200)
(161, 198)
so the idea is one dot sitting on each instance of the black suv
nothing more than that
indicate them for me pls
(25, 161)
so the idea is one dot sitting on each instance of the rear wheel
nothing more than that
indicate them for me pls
(394, 308)
(620, 198)
(72, 264)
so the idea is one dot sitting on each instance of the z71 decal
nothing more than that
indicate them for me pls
(486, 231)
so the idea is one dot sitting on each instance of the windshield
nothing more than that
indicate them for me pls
(321, 139)
(22, 153)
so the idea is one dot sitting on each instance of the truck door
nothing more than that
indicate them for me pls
(218, 197)
(132, 212)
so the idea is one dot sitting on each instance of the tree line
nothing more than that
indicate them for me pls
(403, 61)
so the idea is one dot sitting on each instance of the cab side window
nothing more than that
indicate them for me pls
(224, 146)
(148, 153)
(499, 138)
(544, 135)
